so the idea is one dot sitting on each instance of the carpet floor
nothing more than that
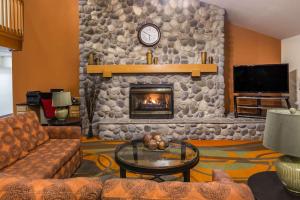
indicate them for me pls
(240, 159)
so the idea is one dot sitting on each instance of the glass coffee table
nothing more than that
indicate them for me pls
(179, 157)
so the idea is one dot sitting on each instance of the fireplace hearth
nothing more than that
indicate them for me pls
(150, 101)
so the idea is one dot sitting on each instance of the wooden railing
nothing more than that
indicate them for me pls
(11, 23)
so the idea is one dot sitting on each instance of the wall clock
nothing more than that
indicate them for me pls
(149, 35)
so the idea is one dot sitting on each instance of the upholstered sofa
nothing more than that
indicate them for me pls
(36, 163)
(31, 150)
(33, 158)
(221, 188)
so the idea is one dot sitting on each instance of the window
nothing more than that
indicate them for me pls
(6, 96)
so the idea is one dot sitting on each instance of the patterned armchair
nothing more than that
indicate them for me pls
(221, 188)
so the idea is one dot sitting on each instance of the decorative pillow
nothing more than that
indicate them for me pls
(49, 110)
(10, 145)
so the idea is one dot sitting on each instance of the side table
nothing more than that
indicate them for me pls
(66, 122)
(267, 186)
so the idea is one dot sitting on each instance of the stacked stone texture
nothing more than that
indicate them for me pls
(193, 131)
(192, 98)
(108, 28)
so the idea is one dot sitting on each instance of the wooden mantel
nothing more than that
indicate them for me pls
(194, 69)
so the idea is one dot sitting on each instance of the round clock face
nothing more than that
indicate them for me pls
(149, 35)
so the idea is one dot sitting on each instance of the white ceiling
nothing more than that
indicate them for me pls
(277, 18)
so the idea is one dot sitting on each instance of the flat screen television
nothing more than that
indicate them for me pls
(271, 78)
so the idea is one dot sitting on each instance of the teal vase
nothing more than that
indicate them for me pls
(90, 132)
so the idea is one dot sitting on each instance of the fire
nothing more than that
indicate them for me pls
(152, 99)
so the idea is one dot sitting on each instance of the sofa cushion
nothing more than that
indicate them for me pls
(70, 167)
(131, 189)
(10, 145)
(46, 159)
(28, 129)
(46, 189)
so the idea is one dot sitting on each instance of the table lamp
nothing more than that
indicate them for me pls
(282, 134)
(61, 101)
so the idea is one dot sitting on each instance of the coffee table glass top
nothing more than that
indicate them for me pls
(176, 155)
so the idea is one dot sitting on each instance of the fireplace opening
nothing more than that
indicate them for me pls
(148, 101)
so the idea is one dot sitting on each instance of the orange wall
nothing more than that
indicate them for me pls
(244, 46)
(50, 55)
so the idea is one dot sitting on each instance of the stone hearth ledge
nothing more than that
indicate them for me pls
(182, 129)
(220, 120)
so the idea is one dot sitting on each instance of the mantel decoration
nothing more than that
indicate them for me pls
(282, 134)
(91, 59)
(149, 57)
(203, 57)
(91, 96)
(149, 35)
(210, 60)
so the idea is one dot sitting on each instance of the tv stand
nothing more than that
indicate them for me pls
(258, 107)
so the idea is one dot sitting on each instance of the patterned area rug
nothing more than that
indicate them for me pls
(240, 159)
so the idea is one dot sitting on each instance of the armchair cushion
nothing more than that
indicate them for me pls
(63, 132)
(51, 189)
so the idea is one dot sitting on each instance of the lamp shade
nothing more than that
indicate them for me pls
(61, 99)
(282, 132)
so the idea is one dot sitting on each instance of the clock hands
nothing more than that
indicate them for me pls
(147, 34)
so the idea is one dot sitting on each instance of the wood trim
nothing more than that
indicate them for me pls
(10, 40)
(11, 24)
(194, 69)
(259, 94)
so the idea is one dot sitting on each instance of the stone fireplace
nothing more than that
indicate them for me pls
(109, 28)
(151, 101)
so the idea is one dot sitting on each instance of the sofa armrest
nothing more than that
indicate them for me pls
(38, 189)
(221, 176)
(63, 132)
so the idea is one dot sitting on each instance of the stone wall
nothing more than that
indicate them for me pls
(192, 98)
(210, 129)
(108, 28)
